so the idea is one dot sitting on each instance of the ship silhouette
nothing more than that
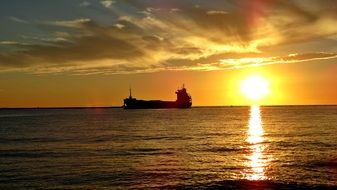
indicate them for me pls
(184, 100)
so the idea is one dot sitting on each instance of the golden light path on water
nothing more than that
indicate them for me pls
(257, 161)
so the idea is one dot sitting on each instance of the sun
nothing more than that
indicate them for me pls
(255, 87)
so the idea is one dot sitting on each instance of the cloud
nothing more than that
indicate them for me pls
(236, 61)
(309, 56)
(291, 58)
(85, 4)
(9, 43)
(216, 12)
(107, 3)
(120, 26)
(54, 37)
(16, 19)
(152, 38)
(77, 23)
(103, 46)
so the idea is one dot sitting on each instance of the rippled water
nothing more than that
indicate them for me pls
(229, 147)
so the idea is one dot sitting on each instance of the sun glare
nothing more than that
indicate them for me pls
(255, 87)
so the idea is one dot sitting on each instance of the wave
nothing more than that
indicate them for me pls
(257, 184)
(222, 149)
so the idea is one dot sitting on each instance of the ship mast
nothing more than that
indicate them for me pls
(130, 96)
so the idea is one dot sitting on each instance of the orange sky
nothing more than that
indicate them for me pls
(289, 84)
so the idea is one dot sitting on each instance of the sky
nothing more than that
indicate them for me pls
(89, 52)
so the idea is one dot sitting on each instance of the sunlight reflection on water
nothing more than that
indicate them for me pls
(256, 159)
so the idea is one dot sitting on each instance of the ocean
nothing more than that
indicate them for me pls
(266, 147)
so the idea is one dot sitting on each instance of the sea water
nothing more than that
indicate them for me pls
(206, 147)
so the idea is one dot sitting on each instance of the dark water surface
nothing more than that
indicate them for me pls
(218, 147)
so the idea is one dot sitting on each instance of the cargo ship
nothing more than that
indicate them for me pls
(184, 100)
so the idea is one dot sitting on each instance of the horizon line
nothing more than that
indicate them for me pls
(114, 107)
